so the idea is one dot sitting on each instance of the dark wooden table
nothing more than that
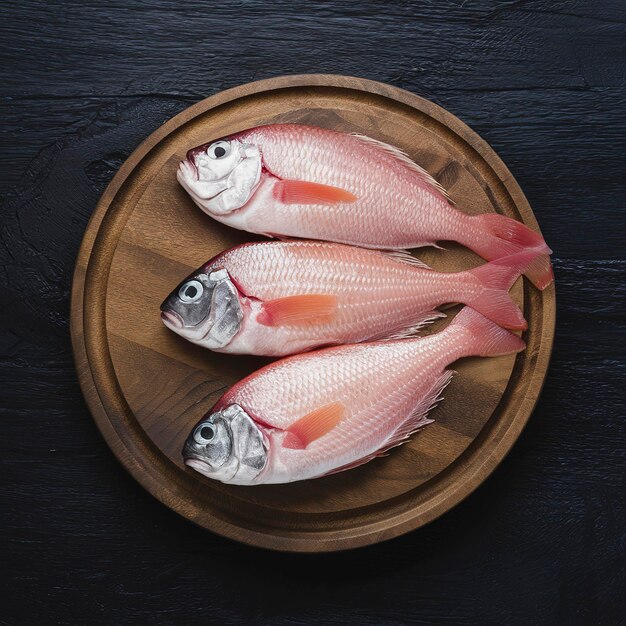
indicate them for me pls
(542, 541)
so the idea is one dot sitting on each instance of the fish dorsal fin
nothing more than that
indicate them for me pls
(406, 160)
(302, 310)
(304, 192)
(418, 418)
(414, 422)
(404, 256)
(314, 425)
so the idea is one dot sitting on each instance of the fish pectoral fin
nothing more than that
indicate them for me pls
(313, 425)
(304, 192)
(302, 310)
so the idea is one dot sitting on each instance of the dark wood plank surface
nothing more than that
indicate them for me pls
(542, 541)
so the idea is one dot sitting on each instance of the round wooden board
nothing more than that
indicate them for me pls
(147, 387)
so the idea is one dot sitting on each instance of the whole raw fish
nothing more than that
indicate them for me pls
(276, 298)
(318, 413)
(288, 180)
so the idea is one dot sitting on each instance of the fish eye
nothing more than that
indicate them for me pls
(218, 150)
(191, 291)
(204, 434)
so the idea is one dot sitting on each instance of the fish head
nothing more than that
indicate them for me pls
(227, 445)
(221, 176)
(204, 309)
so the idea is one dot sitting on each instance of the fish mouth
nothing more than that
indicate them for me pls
(188, 175)
(172, 320)
(200, 466)
(187, 170)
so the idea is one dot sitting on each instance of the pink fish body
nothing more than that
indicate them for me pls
(288, 180)
(280, 298)
(314, 414)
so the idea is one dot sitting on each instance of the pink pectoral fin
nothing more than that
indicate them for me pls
(313, 425)
(303, 192)
(303, 310)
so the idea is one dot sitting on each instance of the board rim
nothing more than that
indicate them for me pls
(140, 458)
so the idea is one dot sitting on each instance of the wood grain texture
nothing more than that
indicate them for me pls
(147, 388)
(541, 541)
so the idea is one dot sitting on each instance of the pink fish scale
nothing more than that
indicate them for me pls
(379, 384)
(397, 203)
(300, 155)
(377, 294)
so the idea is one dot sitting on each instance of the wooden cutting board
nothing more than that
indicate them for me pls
(147, 387)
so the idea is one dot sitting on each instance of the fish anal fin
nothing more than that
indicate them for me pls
(304, 192)
(357, 463)
(413, 328)
(404, 256)
(313, 425)
(416, 420)
(406, 160)
(301, 310)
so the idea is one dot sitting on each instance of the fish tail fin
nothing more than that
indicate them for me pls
(480, 336)
(501, 236)
(496, 278)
